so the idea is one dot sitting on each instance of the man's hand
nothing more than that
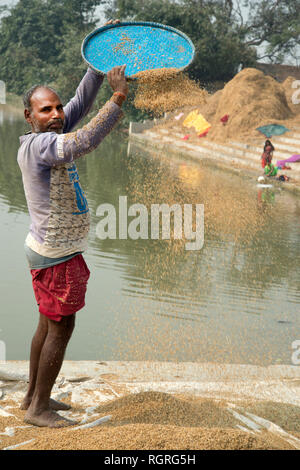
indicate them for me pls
(116, 76)
(111, 22)
(117, 80)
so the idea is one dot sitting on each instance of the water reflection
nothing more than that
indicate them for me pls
(243, 239)
(235, 300)
(11, 188)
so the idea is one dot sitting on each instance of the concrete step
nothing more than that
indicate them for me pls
(282, 150)
(293, 135)
(288, 139)
(285, 147)
(211, 152)
(279, 154)
(250, 160)
(232, 150)
(213, 149)
(285, 150)
(249, 156)
(207, 151)
(243, 150)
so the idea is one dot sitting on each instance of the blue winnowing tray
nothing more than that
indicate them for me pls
(139, 45)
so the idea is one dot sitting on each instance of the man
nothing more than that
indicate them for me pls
(59, 223)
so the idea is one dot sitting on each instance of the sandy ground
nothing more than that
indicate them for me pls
(159, 406)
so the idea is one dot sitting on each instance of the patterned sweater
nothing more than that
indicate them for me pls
(56, 202)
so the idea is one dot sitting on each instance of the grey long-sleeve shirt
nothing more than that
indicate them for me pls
(56, 202)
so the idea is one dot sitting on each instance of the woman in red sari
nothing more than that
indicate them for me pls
(267, 155)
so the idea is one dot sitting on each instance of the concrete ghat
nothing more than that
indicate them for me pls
(91, 382)
(235, 156)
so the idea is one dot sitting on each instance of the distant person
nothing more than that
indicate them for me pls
(59, 223)
(270, 170)
(267, 155)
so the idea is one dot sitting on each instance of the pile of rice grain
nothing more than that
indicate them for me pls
(152, 437)
(158, 421)
(155, 420)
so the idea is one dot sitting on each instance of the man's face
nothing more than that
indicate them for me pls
(46, 114)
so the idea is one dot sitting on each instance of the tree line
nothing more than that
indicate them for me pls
(40, 40)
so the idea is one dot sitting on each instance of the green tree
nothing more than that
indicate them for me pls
(275, 24)
(71, 64)
(40, 42)
(32, 38)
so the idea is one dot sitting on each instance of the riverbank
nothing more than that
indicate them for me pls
(238, 157)
(159, 405)
(223, 129)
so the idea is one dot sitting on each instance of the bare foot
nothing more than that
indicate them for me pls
(53, 405)
(58, 405)
(48, 418)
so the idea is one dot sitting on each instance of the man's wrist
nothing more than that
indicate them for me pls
(118, 98)
(120, 93)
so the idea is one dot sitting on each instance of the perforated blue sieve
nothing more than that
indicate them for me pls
(140, 45)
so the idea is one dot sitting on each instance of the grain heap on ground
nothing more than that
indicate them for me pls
(150, 421)
(251, 99)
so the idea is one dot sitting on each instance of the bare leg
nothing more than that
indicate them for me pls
(51, 358)
(36, 347)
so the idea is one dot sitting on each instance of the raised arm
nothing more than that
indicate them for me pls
(76, 144)
(54, 149)
(80, 105)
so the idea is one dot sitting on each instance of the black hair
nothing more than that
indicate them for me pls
(29, 93)
(268, 142)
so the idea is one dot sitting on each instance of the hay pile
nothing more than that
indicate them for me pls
(210, 107)
(163, 90)
(251, 99)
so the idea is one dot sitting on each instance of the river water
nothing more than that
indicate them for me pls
(235, 300)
